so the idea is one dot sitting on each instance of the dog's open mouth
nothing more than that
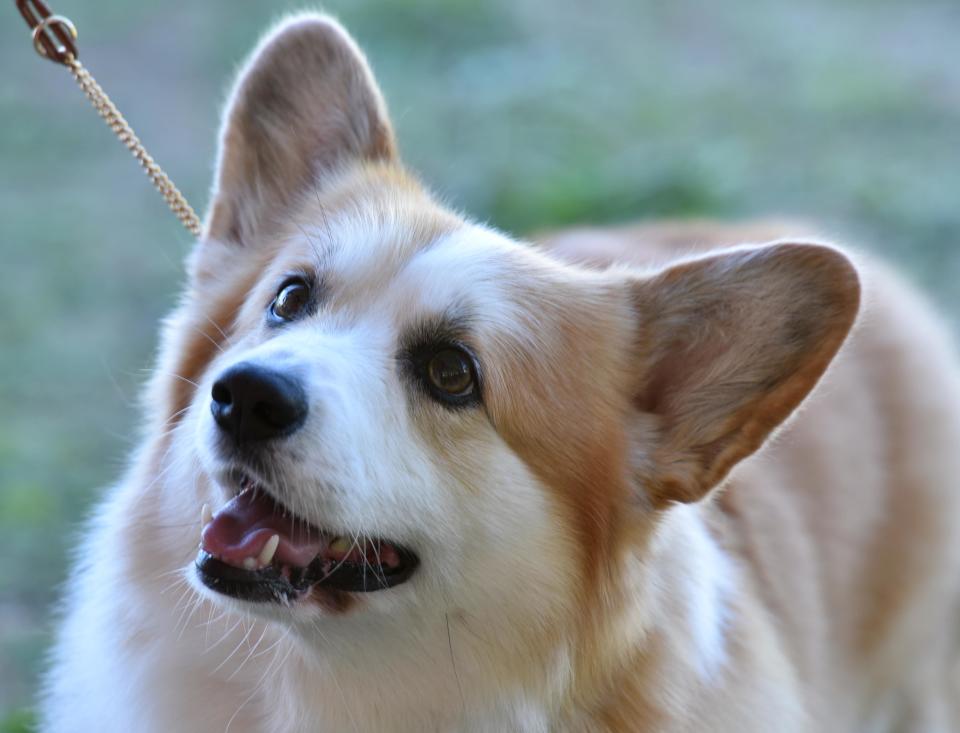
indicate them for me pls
(254, 549)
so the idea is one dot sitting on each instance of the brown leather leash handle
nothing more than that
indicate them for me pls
(54, 38)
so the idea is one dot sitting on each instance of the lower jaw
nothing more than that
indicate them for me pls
(322, 579)
(285, 595)
(266, 585)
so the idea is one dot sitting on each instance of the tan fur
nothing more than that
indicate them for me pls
(738, 481)
(846, 523)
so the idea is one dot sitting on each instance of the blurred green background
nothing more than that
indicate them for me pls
(526, 114)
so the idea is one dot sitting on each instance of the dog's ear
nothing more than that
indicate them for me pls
(728, 346)
(305, 103)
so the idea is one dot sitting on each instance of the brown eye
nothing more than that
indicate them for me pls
(451, 371)
(292, 300)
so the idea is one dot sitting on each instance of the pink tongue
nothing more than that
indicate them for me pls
(242, 528)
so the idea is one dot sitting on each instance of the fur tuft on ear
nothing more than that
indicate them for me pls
(729, 345)
(304, 104)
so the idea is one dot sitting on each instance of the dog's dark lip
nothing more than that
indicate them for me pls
(285, 584)
(288, 584)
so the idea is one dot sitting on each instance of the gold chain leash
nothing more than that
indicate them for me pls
(54, 38)
(121, 128)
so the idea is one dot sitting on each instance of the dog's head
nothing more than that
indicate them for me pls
(398, 414)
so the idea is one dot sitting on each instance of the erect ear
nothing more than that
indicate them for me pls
(304, 104)
(729, 346)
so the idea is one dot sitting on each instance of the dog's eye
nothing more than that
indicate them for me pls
(450, 372)
(292, 300)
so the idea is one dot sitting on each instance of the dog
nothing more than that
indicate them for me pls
(404, 473)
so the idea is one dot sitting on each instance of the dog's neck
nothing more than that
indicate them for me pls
(702, 584)
(672, 638)
(669, 639)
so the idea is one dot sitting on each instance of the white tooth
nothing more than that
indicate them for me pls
(341, 544)
(206, 515)
(266, 554)
(249, 563)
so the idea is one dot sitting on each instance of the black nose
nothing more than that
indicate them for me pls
(252, 402)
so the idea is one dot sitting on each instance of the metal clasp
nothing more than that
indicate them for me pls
(54, 36)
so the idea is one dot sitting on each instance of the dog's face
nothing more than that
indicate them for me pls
(395, 414)
(381, 384)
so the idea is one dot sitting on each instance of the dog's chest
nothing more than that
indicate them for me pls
(338, 707)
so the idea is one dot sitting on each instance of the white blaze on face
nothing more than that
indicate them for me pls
(377, 454)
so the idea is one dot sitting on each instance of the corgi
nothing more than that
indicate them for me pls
(404, 473)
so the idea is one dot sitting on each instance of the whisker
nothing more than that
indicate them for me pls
(226, 635)
(217, 326)
(247, 658)
(180, 377)
(174, 584)
(256, 688)
(269, 649)
(378, 570)
(208, 337)
(186, 599)
(167, 573)
(313, 246)
(235, 650)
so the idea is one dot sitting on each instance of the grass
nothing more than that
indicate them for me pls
(18, 721)
(527, 115)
